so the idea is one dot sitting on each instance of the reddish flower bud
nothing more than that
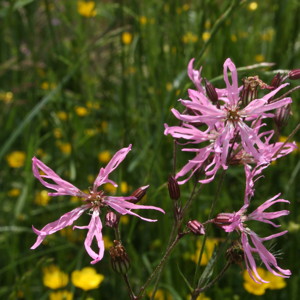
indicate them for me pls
(196, 227)
(223, 219)
(294, 74)
(282, 115)
(119, 258)
(174, 190)
(139, 194)
(211, 92)
(111, 219)
(277, 80)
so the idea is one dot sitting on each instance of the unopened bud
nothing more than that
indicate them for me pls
(111, 219)
(119, 258)
(277, 80)
(196, 227)
(282, 115)
(174, 190)
(235, 254)
(294, 74)
(211, 92)
(223, 219)
(139, 194)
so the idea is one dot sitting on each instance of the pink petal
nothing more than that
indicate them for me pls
(64, 221)
(233, 89)
(111, 166)
(94, 231)
(62, 187)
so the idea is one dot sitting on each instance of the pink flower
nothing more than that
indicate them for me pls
(228, 124)
(237, 222)
(94, 201)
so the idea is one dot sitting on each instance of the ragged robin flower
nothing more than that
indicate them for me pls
(223, 123)
(250, 241)
(94, 202)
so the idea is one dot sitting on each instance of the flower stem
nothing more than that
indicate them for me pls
(198, 290)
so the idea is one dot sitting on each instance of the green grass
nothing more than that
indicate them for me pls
(128, 90)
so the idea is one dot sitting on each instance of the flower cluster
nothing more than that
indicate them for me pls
(227, 122)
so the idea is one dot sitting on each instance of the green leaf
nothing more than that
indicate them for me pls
(21, 3)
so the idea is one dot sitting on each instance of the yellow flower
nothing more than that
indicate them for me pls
(42, 198)
(86, 8)
(233, 38)
(208, 251)
(86, 279)
(104, 156)
(169, 86)
(126, 38)
(81, 111)
(275, 282)
(252, 5)
(14, 192)
(161, 295)
(16, 159)
(251, 286)
(65, 148)
(124, 220)
(109, 188)
(190, 37)
(6, 97)
(124, 187)
(93, 105)
(61, 295)
(54, 278)
(57, 132)
(205, 36)
(48, 86)
(143, 20)
(186, 7)
(62, 115)
(259, 58)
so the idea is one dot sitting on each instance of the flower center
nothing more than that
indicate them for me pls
(96, 198)
(233, 116)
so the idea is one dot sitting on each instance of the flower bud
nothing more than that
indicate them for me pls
(277, 80)
(294, 74)
(196, 227)
(139, 194)
(223, 219)
(174, 190)
(111, 219)
(282, 115)
(119, 258)
(211, 92)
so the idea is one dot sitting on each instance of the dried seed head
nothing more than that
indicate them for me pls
(139, 194)
(235, 254)
(196, 227)
(174, 190)
(119, 258)
(111, 220)
(282, 115)
(211, 92)
(294, 74)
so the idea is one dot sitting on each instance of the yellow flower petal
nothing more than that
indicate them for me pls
(54, 278)
(86, 8)
(16, 159)
(87, 278)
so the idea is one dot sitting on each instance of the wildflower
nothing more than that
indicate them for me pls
(86, 279)
(252, 5)
(16, 159)
(65, 148)
(14, 192)
(253, 287)
(94, 202)
(6, 97)
(196, 227)
(62, 115)
(226, 122)
(86, 8)
(205, 36)
(259, 57)
(209, 247)
(189, 37)
(104, 156)
(126, 38)
(61, 295)
(143, 20)
(236, 222)
(81, 111)
(42, 198)
(161, 295)
(54, 278)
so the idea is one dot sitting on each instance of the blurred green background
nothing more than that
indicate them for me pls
(82, 79)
